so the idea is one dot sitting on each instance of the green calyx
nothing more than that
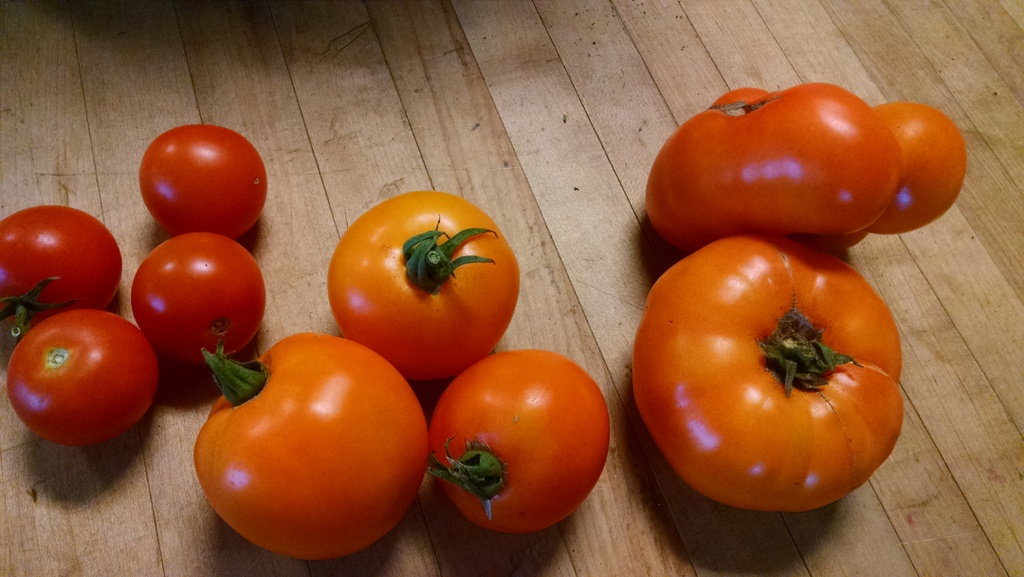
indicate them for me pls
(796, 355)
(478, 471)
(238, 382)
(24, 307)
(429, 264)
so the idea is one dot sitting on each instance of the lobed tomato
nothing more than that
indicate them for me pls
(811, 159)
(66, 244)
(196, 289)
(521, 438)
(426, 280)
(933, 169)
(203, 178)
(320, 455)
(767, 374)
(82, 377)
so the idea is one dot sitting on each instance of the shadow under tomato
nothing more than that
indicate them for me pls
(184, 385)
(79, 474)
(663, 254)
(464, 549)
(428, 393)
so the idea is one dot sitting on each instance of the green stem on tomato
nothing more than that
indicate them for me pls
(428, 264)
(478, 471)
(24, 307)
(238, 382)
(796, 355)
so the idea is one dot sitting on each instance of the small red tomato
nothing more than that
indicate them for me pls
(66, 244)
(196, 289)
(82, 377)
(521, 438)
(200, 177)
(933, 170)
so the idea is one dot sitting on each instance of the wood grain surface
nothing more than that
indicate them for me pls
(548, 115)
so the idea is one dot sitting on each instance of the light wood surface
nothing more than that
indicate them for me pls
(548, 115)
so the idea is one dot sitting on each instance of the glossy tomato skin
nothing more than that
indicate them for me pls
(59, 241)
(201, 177)
(82, 377)
(541, 414)
(933, 169)
(325, 460)
(812, 159)
(194, 289)
(724, 421)
(426, 336)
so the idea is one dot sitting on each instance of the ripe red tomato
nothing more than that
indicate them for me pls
(933, 170)
(203, 178)
(58, 242)
(427, 320)
(325, 459)
(521, 438)
(723, 330)
(195, 289)
(82, 377)
(812, 159)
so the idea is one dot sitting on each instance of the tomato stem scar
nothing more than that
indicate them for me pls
(741, 107)
(56, 357)
(796, 356)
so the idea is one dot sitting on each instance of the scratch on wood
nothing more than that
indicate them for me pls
(358, 29)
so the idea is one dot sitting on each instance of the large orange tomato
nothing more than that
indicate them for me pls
(427, 280)
(767, 373)
(811, 159)
(520, 438)
(319, 452)
(933, 170)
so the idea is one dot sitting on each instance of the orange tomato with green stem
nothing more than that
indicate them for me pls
(519, 439)
(316, 450)
(427, 280)
(767, 373)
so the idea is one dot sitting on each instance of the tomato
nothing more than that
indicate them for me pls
(767, 373)
(427, 318)
(520, 439)
(196, 289)
(321, 455)
(203, 178)
(82, 377)
(66, 244)
(934, 166)
(811, 159)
